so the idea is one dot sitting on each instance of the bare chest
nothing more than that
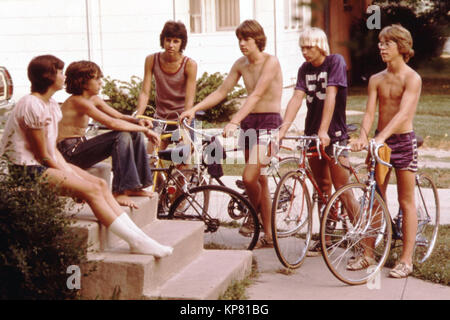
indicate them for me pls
(391, 88)
(250, 75)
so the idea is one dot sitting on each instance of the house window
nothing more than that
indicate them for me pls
(293, 14)
(213, 15)
(195, 12)
(227, 14)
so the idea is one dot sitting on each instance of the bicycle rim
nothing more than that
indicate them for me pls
(428, 215)
(284, 166)
(360, 230)
(223, 211)
(291, 220)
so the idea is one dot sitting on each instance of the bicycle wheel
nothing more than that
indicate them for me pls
(291, 219)
(352, 227)
(428, 215)
(188, 177)
(223, 211)
(278, 169)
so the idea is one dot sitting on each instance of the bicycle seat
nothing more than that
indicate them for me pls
(177, 155)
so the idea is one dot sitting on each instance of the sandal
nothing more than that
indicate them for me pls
(361, 262)
(263, 242)
(401, 270)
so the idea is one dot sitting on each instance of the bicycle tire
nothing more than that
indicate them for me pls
(212, 204)
(166, 199)
(340, 244)
(291, 219)
(428, 217)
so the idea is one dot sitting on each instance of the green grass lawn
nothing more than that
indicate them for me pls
(437, 267)
(432, 120)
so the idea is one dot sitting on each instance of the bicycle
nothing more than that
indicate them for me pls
(292, 204)
(371, 229)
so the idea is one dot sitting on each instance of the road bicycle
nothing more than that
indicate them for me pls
(292, 204)
(369, 228)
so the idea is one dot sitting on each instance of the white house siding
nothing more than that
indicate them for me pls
(118, 35)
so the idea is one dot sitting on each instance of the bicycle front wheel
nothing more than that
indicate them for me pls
(354, 227)
(428, 215)
(291, 219)
(225, 212)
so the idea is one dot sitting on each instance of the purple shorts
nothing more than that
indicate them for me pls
(257, 127)
(404, 151)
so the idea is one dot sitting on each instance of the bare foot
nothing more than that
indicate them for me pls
(140, 193)
(124, 200)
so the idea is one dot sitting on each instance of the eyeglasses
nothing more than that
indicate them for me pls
(386, 44)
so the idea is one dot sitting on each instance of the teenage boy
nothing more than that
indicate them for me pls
(29, 140)
(125, 144)
(396, 90)
(260, 114)
(322, 79)
(175, 77)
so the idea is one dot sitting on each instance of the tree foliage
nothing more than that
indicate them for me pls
(428, 27)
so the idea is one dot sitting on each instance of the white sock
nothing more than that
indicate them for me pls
(139, 242)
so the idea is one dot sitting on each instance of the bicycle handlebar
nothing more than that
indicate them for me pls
(374, 149)
(157, 120)
(307, 139)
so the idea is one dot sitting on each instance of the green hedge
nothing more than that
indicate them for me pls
(36, 244)
(123, 96)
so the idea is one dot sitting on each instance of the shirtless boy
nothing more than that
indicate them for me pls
(397, 90)
(261, 112)
(125, 144)
(29, 140)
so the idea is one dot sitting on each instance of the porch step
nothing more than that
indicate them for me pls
(97, 235)
(190, 272)
(207, 277)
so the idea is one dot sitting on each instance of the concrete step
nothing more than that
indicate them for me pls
(97, 235)
(132, 273)
(189, 273)
(207, 277)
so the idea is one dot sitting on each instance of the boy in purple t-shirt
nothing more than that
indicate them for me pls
(323, 80)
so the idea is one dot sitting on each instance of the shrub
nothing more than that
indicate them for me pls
(36, 244)
(123, 96)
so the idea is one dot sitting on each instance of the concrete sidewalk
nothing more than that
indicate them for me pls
(313, 280)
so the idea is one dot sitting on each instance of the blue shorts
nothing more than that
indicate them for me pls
(403, 151)
(256, 128)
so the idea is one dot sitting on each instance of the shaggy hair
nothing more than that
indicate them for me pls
(252, 29)
(79, 73)
(315, 37)
(174, 29)
(42, 72)
(402, 37)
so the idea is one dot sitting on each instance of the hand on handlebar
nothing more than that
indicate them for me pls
(153, 137)
(229, 130)
(324, 139)
(358, 144)
(188, 114)
(146, 123)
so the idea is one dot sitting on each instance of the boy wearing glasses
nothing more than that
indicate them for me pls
(397, 91)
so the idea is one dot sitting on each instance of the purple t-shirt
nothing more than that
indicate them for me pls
(314, 81)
